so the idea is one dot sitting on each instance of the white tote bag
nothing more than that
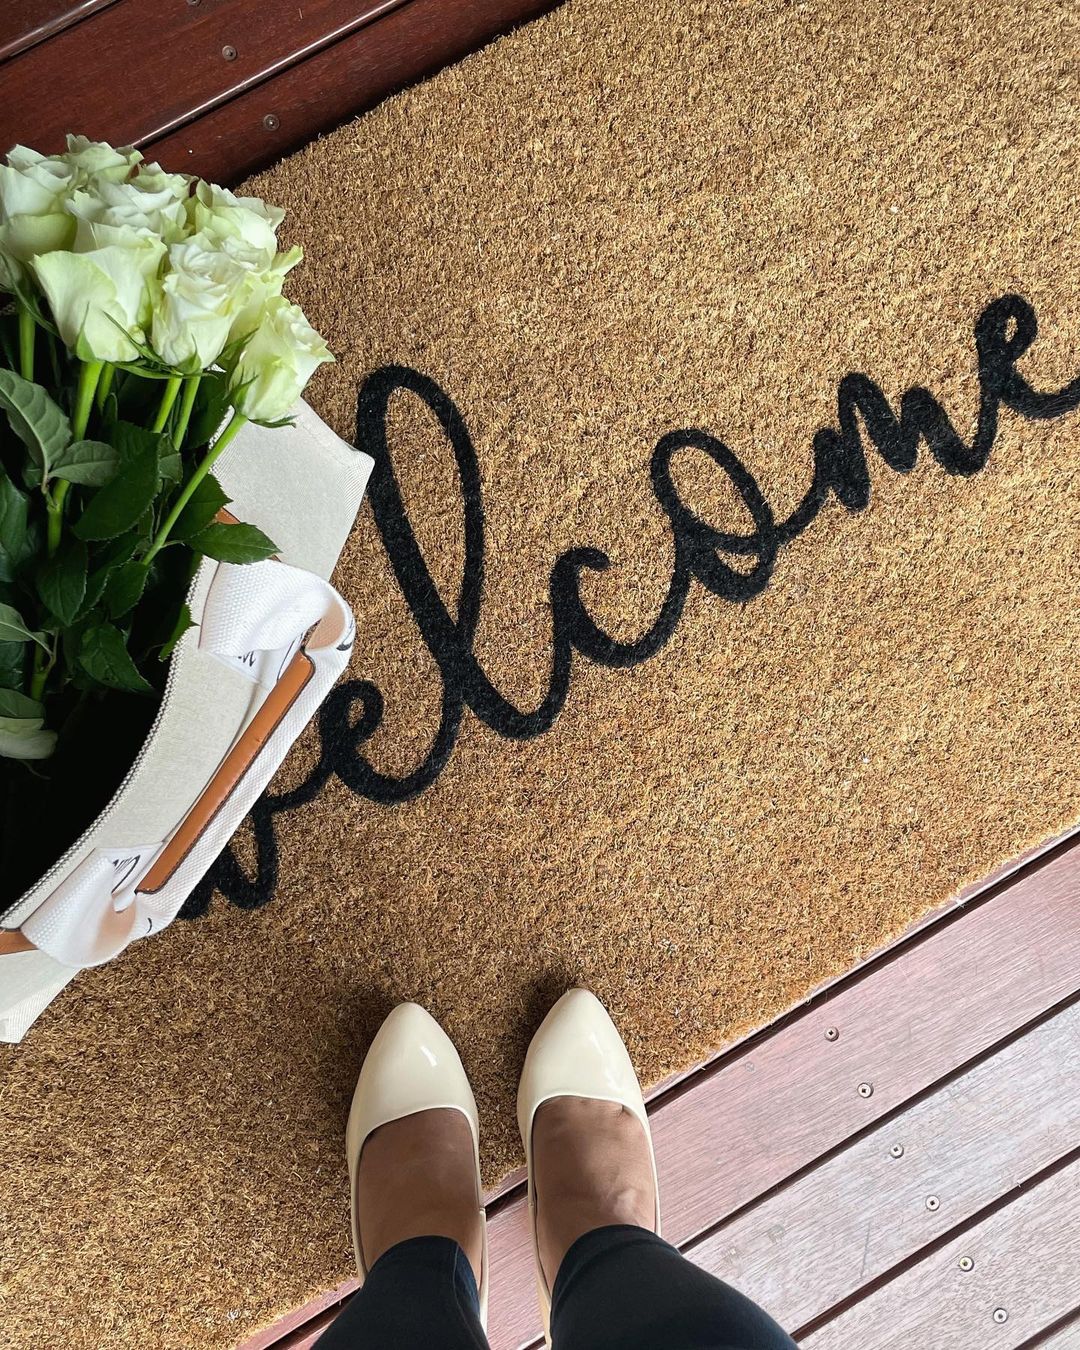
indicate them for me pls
(269, 641)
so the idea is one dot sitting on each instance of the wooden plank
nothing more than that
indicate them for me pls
(1064, 1337)
(902, 1025)
(281, 114)
(306, 1339)
(816, 1242)
(1025, 1259)
(303, 1327)
(24, 23)
(781, 1101)
(143, 67)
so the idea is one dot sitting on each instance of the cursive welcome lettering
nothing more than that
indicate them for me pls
(1004, 332)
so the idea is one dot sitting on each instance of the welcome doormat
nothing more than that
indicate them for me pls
(717, 607)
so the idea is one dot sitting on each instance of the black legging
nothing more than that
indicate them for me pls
(618, 1288)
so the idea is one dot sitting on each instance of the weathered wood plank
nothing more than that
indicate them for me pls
(1024, 1263)
(903, 1025)
(184, 58)
(24, 23)
(779, 1103)
(816, 1242)
(283, 113)
(309, 1337)
(303, 1327)
(1066, 1337)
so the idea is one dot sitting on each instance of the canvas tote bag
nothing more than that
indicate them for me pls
(269, 640)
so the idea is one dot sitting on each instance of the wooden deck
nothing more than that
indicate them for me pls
(222, 88)
(894, 1163)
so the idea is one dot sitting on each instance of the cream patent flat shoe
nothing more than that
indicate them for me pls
(412, 1066)
(577, 1052)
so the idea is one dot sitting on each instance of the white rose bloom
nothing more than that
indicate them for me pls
(222, 215)
(92, 292)
(99, 159)
(37, 194)
(202, 290)
(152, 200)
(262, 282)
(275, 365)
(33, 184)
(33, 191)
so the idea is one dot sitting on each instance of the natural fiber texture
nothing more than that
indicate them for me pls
(626, 219)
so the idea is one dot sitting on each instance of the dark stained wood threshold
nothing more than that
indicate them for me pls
(223, 88)
(25, 23)
(316, 95)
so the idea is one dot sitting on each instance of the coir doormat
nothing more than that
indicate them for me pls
(717, 604)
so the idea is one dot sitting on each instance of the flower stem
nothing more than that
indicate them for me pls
(191, 388)
(104, 385)
(168, 398)
(42, 666)
(54, 358)
(55, 509)
(235, 423)
(89, 375)
(27, 334)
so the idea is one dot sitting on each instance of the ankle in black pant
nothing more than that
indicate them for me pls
(618, 1288)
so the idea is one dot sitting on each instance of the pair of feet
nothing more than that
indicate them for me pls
(591, 1166)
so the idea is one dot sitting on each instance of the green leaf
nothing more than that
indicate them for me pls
(104, 656)
(131, 439)
(15, 540)
(112, 552)
(153, 365)
(124, 589)
(142, 368)
(61, 582)
(12, 664)
(70, 642)
(276, 425)
(13, 629)
(35, 419)
(232, 351)
(90, 463)
(233, 543)
(16, 705)
(170, 465)
(19, 742)
(202, 506)
(104, 562)
(184, 621)
(119, 505)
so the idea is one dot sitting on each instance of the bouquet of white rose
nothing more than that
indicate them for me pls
(144, 326)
